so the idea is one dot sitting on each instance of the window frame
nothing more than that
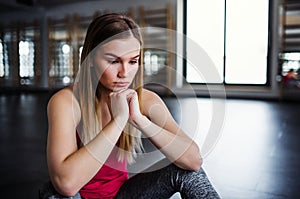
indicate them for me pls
(268, 62)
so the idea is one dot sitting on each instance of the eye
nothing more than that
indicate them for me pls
(113, 61)
(133, 62)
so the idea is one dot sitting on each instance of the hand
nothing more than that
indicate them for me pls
(119, 106)
(136, 118)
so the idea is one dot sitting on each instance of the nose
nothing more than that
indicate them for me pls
(123, 70)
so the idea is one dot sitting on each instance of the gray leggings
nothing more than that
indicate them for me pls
(159, 184)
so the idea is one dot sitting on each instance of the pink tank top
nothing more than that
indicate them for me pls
(107, 182)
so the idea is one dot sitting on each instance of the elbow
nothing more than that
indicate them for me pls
(65, 187)
(66, 190)
(196, 165)
(195, 161)
(191, 164)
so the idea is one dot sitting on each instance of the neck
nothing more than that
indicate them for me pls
(102, 94)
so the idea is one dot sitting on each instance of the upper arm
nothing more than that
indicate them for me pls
(156, 110)
(62, 121)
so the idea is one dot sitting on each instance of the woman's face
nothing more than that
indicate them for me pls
(117, 63)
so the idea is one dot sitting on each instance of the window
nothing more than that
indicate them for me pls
(291, 60)
(246, 41)
(26, 59)
(1, 60)
(62, 66)
(4, 68)
(234, 39)
(205, 27)
(61, 52)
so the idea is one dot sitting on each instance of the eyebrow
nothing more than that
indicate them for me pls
(113, 55)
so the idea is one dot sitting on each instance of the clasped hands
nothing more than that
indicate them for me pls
(124, 107)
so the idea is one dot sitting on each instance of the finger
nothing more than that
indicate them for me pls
(132, 97)
(134, 102)
(127, 93)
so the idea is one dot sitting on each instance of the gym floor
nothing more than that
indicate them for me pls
(255, 153)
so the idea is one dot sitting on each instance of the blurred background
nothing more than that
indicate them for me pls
(252, 48)
(41, 41)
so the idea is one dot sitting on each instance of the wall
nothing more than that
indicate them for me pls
(272, 91)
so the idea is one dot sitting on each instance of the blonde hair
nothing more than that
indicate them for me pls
(103, 29)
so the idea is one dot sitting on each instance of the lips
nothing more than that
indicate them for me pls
(121, 84)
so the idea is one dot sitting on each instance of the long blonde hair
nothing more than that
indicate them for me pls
(103, 29)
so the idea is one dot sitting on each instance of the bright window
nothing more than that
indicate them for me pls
(205, 31)
(235, 38)
(1, 60)
(246, 41)
(26, 59)
(291, 61)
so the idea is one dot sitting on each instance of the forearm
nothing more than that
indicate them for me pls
(177, 147)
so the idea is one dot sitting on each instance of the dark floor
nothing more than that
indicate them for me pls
(256, 155)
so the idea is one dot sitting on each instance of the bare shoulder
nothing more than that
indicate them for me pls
(156, 110)
(64, 99)
(63, 96)
(151, 101)
(150, 97)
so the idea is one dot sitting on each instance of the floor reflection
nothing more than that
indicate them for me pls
(252, 149)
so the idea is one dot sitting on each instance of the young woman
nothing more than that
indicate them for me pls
(95, 126)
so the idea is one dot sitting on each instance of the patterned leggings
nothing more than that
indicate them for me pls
(160, 184)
